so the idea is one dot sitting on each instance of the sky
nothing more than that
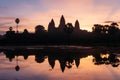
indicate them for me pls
(40, 12)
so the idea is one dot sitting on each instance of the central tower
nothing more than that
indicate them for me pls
(62, 24)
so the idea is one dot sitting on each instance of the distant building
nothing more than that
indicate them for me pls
(62, 24)
(76, 28)
(51, 27)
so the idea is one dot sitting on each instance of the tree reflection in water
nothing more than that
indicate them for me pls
(66, 57)
(110, 59)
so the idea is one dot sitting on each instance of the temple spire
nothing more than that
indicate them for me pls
(51, 26)
(62, 24)
(62, 20)
(77, 26)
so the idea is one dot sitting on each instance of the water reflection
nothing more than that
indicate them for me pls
(67, 57)
(107, 59)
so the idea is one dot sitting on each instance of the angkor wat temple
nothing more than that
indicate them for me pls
(64, 34)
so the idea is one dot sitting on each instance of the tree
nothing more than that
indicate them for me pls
(17, 20)
(97, 28)
(25, 31)
(68, 28)
(39, 29)
(113, 28)
(10, 33)
(10, 29)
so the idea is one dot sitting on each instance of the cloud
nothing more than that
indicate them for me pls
(4, 23)
(108, 21)
(7, 18)
(68, 5)
(11, 20)
(32, 13)
(112, 7)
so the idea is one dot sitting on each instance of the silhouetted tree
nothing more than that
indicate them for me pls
(17, 68)
(17, 22)
(97, 28)
(10, 29)
(25, 31)
(10, 34)
(105, 30)
(39, 29)
(69, 28)
(39, 58)
(113, 28)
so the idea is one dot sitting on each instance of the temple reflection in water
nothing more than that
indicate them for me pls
(66, 56)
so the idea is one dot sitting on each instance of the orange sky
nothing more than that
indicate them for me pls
(31, 70)
(34, 12)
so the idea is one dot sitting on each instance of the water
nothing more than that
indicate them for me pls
(59, 63)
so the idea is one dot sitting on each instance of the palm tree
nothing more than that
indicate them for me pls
(17, 22)
(10, 28)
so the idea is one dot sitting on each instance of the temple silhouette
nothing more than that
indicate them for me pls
(67, 57)
(64, 34)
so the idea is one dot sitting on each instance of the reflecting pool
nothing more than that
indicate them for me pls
(59, 63)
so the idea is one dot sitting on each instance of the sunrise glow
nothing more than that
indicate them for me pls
(34, 12)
